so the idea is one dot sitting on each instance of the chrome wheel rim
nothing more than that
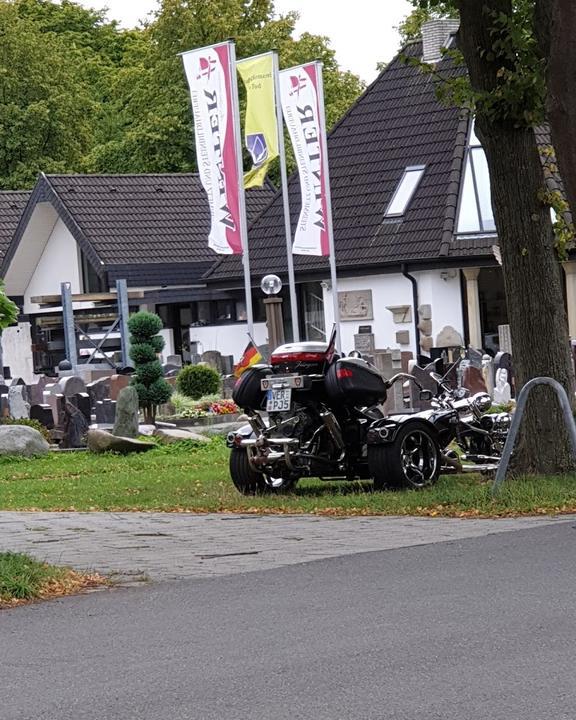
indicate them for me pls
(419, 458)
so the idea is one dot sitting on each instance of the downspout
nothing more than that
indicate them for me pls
(415, 304)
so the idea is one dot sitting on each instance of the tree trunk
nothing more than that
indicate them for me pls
(555, 21)
(532, 273)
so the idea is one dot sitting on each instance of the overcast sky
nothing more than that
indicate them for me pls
(362, 31)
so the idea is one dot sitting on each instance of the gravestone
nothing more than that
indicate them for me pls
(488, 374)
(364, 343)
(473, 380)
(17, 404)
(475, 357)
(4, 407)
(449, 337)
(117, 383)
(98, 390)
(504, 338)
(227, 364)
(82, 402)
(389, 362)
(105, 412)
(43, 414)
(213, 358)
(71, 385)
(228, 386)
(422, 375)
(36, 390)
(53, 400)
(175, 360)
(406, 356)
(127, 409)
(74, 427)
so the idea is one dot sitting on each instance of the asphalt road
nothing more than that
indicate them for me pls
(474, 629)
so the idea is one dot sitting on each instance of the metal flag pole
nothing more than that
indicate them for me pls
(284, 182)
(241, 194)
(329, 225)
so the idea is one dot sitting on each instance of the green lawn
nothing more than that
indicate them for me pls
(23, 579)
(195, 478)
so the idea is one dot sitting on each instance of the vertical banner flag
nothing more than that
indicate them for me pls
(260, 131)
(304, 116)
(209, 74)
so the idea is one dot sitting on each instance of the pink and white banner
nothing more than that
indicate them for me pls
(303, 109)
(209, 74)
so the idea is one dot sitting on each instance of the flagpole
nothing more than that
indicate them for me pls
(286, 203)
(241, 194)
(329, 224)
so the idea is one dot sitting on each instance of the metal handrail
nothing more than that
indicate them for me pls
(517, 419)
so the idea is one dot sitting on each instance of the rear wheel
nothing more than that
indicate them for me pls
(249, 482)
(412, 460)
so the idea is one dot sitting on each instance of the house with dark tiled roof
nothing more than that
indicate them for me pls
(12, 204)
(91, 230)
(415, 240)
(412, 219)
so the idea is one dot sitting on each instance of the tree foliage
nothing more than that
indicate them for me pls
(79, 93)
(505, 87)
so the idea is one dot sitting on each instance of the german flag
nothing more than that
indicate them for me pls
(250, 357)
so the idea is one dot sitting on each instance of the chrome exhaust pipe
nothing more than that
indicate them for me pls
(331, 424)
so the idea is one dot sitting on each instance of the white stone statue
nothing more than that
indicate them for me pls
(502, 391)
(488, 374)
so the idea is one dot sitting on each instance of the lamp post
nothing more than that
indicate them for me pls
(271, 286)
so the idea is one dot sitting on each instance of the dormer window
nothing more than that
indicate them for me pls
(405, 191)
(475, 214)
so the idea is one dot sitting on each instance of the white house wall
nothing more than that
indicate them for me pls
(228, 339)
(443, 295)
(60, 262)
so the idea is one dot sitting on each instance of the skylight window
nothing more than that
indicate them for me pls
(475, 213)
(405, 191)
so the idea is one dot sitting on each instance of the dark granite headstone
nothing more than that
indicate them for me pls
(82, 402)
(427, 382)
(74, 427)
(43, 414)
(105, 412)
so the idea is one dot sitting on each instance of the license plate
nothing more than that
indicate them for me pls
(279, 399)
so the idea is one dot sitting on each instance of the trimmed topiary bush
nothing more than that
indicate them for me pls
(195, 381)
(148, 378)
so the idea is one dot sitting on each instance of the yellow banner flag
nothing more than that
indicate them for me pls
(261, 129)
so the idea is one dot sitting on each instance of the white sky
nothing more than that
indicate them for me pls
(362, 31)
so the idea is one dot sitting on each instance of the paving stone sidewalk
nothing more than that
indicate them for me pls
(165, 546)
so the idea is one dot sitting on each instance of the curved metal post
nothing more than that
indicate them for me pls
(517, 419)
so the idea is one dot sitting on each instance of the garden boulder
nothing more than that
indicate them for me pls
(172, 435)
(22, 440)
(100, 441)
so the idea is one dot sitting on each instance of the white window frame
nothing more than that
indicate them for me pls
(420, 169)
(473, 144)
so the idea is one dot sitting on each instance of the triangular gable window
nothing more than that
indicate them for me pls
(475, 214)
(405, 191)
